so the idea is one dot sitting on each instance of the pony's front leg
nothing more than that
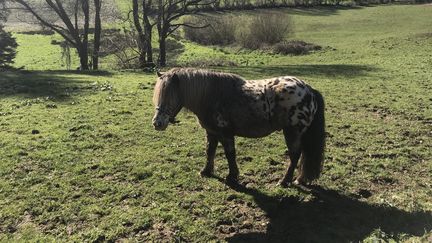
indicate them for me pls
(211, 145)
(230, 153)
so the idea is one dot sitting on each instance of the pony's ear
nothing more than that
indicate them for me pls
(159, 74)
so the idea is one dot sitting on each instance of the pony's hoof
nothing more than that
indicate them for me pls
(206, 173)
(283, 183)
(300, 182)
(231, 180)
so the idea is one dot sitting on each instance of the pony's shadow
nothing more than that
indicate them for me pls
(329, 217)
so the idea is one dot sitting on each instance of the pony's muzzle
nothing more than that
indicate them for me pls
(159, 125)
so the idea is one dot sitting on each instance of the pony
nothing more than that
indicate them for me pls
(228, 105)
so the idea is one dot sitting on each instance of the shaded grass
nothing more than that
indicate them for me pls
(328, 215)
(58, 85)
(36, 52)
(315, 70)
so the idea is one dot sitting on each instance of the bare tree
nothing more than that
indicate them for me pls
(165, 15)
(141, 37)
(144, 30)
(148, 13)
(168, 14)
(97, 33)
(69, 13)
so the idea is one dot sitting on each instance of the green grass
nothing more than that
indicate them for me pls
(80, 160)
(36, 52)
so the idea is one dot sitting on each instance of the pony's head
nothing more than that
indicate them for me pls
(167, 100)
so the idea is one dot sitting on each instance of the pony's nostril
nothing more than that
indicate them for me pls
(157, 123)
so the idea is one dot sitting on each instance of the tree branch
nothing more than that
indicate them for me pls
(44, 22)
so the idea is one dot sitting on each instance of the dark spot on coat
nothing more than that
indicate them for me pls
(307, 98)
(301, 116)
(278, 98)
(292, 111)
(301, 85)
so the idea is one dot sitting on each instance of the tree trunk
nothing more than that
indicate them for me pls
(148, 31)
(84, 45)
(149, 49)
(162, 50)
(82, 53)
(141, 37)
(162, 31)
(97, 34)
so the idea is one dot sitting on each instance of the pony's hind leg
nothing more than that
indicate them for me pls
(230, 153)
(293, 142)
(211, 145)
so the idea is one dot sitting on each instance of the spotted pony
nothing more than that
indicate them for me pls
(228, 105)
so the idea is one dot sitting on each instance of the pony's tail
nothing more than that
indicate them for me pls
(313, 144)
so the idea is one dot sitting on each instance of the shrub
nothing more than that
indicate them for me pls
(267, 29)
(8, 47)
(294, 47)
(251, 32)
(218, 31)
(38, 32)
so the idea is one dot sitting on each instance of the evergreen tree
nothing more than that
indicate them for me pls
(7, 48)
(7, 42)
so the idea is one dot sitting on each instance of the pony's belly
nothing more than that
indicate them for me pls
(252, 126)
(254, 132)
(243, 124)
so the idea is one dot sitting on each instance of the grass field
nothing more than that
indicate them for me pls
(80, 160)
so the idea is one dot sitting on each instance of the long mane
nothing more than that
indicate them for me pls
(157, 92)
(200, 88)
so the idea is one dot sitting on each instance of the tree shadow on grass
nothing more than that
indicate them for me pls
(304, 70)
(57, 85)
(299, 10)
(329, 217)
(320, 10)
